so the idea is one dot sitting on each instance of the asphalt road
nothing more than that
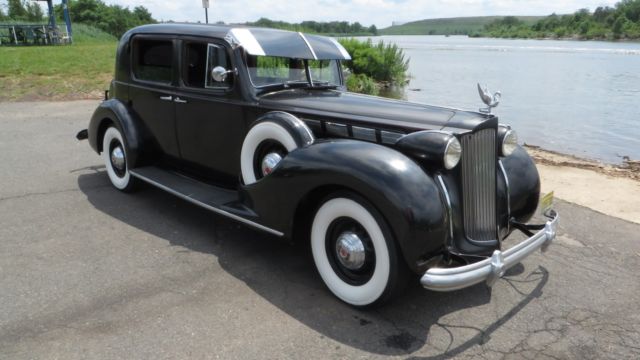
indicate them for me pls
(89, 272)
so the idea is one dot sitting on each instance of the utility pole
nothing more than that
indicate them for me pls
(67, 18)
(205, 5)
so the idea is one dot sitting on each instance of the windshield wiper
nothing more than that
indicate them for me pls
(301, 84)
(320, 85)
(317, 85)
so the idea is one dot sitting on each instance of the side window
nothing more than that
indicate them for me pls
(199, 60)
(217, 56)
(153, 60)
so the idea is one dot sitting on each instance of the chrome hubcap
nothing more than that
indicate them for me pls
(117, 158)
(269, 162)
(350, 250)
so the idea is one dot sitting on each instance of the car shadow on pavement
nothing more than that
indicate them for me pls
(285, 276)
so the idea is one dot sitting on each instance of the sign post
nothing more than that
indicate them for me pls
(205, 5)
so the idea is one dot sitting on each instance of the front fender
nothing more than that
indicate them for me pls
(116, 112)
(524, 184)
(398, 187)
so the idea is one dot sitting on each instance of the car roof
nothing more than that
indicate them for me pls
(258, 41)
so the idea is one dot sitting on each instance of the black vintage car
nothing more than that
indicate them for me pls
(256, 125)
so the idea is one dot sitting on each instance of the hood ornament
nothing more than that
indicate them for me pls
(490, 100)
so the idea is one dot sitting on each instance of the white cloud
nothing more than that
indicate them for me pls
(367, 12)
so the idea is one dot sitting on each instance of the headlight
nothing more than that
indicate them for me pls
(452, 153)
(509, 142)
(432, 148)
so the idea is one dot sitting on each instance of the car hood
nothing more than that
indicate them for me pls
(383, 112)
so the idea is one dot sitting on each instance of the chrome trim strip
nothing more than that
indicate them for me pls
(337, 129)
(208, 207)
(244, 38)
(361, 133)
(506, 181)
(492, 268)
(449, 208)
(308, 45)
(341, 48)
(390, 137)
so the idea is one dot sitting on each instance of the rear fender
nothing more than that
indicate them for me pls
(115, 112)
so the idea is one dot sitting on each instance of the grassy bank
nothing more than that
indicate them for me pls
(449, 26)
(79, 71)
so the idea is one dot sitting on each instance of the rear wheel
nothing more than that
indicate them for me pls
(114, 155)
(355, 252)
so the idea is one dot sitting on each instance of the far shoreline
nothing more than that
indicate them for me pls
(577, 39)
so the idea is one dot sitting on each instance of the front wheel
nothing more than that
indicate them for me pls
(114, 155)
(355, 252)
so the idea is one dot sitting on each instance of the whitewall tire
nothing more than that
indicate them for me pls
(343, 229)
(258, 135)
(115, 159)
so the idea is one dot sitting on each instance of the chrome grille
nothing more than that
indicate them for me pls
(479, 184)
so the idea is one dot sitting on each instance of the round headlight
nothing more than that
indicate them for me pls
(452, 153)
(509, 142)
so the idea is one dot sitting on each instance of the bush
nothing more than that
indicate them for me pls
(363, 84)
(381, 62)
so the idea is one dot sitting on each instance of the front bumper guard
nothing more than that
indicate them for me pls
(493, 268)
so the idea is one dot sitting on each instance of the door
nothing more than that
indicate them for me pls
(209, 116)
(152, 89)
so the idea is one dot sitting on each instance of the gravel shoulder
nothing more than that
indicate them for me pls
(89, 272)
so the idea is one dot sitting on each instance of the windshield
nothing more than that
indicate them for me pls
(271, 70)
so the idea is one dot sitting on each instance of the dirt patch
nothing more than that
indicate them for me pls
(607, 188)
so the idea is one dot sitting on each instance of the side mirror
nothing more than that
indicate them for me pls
(219, 73)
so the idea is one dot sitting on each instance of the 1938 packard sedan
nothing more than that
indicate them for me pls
(256, 125)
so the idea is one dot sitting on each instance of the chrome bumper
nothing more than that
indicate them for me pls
(493, 268)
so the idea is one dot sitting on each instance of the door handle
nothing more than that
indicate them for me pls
(180, 101)
(166, 98)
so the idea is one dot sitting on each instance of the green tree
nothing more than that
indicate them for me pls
(113, 19)
(2, 15)
(619, 26)
(33, 11)
(143, 15)
(16, 10)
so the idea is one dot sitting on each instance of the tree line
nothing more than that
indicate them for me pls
(112, 19)
(619, 22)
(332, 27)
(22, 10)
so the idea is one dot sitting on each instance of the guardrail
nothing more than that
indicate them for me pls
(32, 34)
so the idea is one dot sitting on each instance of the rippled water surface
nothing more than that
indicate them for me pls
(576, 97)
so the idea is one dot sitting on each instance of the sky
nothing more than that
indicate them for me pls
(378, 12)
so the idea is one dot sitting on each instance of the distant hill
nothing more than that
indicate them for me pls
(449, 26)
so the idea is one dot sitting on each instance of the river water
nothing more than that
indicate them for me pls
(576, 97)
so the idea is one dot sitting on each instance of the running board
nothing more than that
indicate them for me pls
(221, 201)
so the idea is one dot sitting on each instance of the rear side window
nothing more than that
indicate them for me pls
(153, 60)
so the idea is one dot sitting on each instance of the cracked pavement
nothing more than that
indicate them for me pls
(89, 272)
